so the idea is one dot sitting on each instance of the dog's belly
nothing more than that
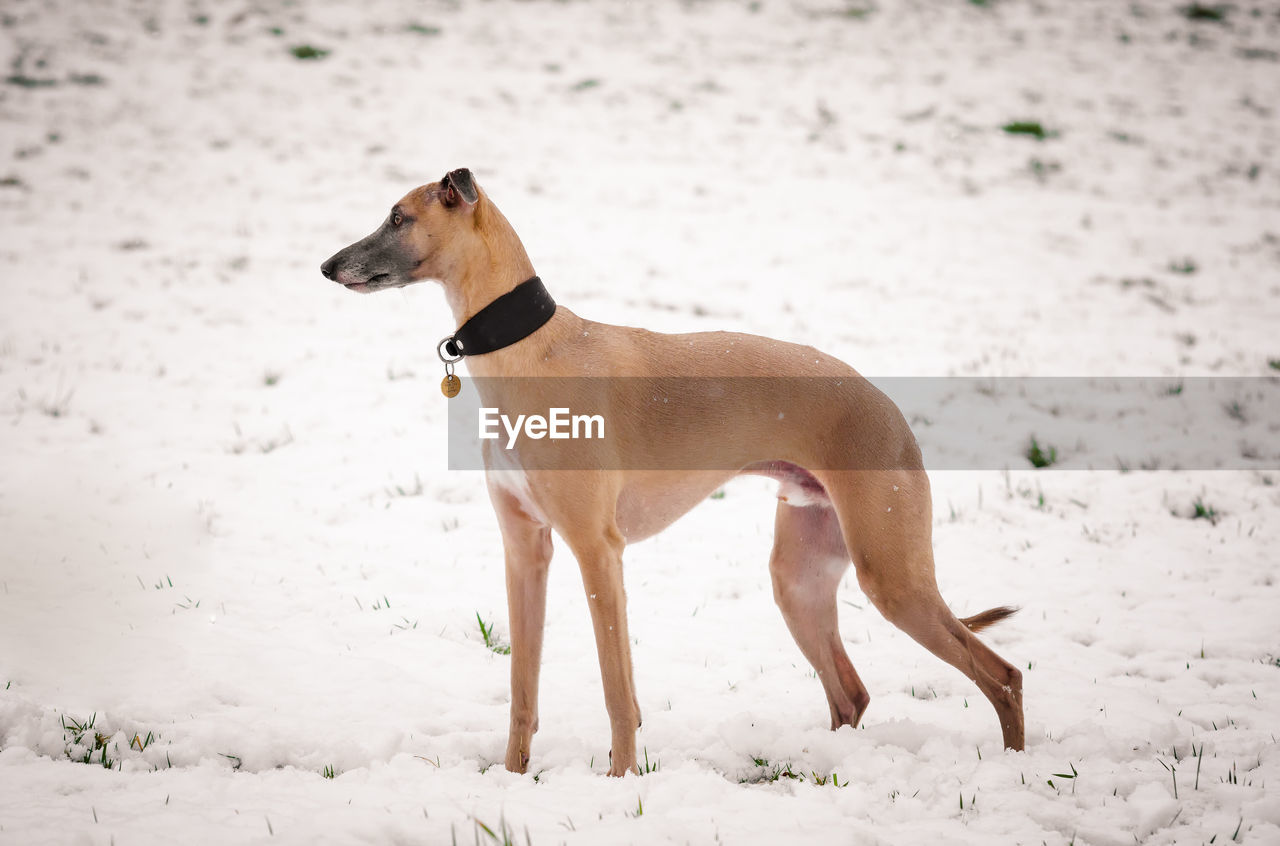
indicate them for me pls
(652, 500)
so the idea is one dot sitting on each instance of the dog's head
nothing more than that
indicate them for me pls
(429, 234)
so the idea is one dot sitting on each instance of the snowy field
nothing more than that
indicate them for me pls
(237, 578)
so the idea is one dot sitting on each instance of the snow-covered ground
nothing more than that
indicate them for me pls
(229, 541)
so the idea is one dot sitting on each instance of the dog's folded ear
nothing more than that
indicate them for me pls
(458, 185)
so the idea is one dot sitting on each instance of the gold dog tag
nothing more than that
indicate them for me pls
(450, 386)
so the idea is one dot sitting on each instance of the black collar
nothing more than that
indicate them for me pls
(512, 317)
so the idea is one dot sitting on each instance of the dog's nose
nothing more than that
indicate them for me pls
(326, 269)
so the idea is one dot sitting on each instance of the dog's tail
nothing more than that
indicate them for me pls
(978, 622)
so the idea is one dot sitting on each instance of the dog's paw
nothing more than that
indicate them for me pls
(620, 766)
(517, 759)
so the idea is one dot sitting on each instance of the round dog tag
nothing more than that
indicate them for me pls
(450, 386)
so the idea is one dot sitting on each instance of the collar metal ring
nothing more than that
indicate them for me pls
(440, 351)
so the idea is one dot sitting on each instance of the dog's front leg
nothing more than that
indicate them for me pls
(527, 549)
(600, 558)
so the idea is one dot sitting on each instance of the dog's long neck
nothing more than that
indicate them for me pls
(497, 264)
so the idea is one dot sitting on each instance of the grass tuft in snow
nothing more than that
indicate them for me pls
(1205, 13)
(328, 771)
(504, 834)
(1186, 266)
(490, 639)
(422, 29)
(402, 491)
(1071, 776)
(56, 406)
(407, 625)
(1032, 128)
(855, 13)
(265, 446)
(1039, 456)
(82, 741)
(306, 52)
(1173, 773)
(770, 773)
(1042, 170)
(23, 81)
(1201, 510)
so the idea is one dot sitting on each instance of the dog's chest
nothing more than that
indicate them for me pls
(503, 471)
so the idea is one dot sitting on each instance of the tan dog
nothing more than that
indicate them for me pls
(853, 485)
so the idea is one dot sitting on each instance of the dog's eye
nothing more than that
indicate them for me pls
(396, 218)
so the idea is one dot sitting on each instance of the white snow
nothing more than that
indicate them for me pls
(225, 518)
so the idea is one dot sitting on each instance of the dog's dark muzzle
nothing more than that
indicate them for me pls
(368, 265)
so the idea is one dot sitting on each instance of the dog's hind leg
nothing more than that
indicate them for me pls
(930, 622)
(527, 547)
(808, 559)
(887, 521)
